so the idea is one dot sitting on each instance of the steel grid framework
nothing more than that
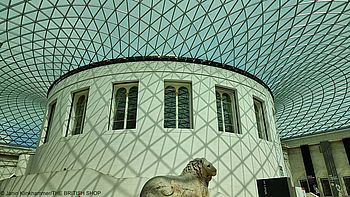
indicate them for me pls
(300, 49)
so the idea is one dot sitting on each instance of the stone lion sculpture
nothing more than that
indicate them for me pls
(193, 181)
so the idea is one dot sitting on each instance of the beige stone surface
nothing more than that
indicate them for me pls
(339, 156)
(193, 182)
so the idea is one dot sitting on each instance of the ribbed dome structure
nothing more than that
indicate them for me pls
(300, 49)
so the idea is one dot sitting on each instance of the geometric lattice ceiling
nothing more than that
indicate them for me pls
(300, 49)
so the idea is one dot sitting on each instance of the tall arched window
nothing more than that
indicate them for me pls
(228, 116)
(177, 105)
(132, 108)
(120, 103)
(170, 107)
(51, 114)
(261, 122)
(78, 111)
(79, 115)
(219, 111)
(227, 110)
(125, 106)
(184, 108)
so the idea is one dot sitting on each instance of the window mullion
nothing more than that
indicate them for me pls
(126, 108)
(222, 112)
(233, 110)
(265, 124)
(190, 106)
(74, 114)
(177, 106)
(83, 118)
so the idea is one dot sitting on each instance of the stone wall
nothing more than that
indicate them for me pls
(338, 152)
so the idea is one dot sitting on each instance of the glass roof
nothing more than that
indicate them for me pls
(300, 49)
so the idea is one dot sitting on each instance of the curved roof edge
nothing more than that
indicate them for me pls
(160, 58)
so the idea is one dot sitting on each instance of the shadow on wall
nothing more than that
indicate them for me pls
(115, 163)
(125, 161)
(150, 149)
(85, 182)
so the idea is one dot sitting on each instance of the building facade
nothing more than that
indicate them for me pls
(121, 124)
(321, 163)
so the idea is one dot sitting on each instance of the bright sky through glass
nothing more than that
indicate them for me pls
(299, 49)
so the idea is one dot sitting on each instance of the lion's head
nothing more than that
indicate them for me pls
(201, 168)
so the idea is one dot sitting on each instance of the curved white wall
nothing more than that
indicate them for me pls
(150, 149)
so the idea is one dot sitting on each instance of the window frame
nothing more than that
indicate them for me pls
(234, 107)
(266, 133)
(116, 87)
(50, 116)
(177, 85)
(71, 121)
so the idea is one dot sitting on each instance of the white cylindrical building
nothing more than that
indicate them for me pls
(124, 123)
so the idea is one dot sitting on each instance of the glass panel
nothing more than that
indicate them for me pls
(326, 187)
(228, 116)
(132, 108)
(260, 120)
(184, 108)
(120, 103)
(79, 115)
(219, 111)
(51, 115)
(169, 107)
